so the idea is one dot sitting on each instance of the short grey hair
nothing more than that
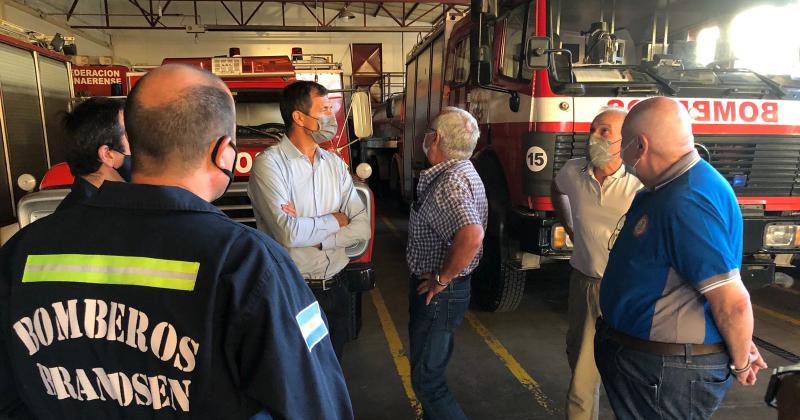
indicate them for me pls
(459, 132)
(612, 108)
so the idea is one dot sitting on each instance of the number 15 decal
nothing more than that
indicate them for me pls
(536, 158)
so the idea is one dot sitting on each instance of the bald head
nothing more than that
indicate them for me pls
(665, 122)
(173, 114)
(656, 134)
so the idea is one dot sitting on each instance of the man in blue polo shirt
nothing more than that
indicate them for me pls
(677, 323)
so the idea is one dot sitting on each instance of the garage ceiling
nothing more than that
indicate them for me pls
(255, 15)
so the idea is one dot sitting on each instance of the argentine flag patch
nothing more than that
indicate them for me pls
(311, 325)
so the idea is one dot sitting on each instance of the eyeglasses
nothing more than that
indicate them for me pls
(613, 239)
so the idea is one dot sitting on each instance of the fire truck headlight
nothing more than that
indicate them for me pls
(782, 236)
(363, 170)
(560, 240)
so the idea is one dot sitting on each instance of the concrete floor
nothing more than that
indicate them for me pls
(509, 365)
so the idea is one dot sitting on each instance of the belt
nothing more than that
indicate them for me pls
(665, 349)
(326, 284)
(458, 279)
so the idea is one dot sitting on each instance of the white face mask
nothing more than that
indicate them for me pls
(629, 168)
(598, 151)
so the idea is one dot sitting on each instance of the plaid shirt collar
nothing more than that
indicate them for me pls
(427, 176)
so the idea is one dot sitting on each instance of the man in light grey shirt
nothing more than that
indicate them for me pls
(590, 196)
(303, 196)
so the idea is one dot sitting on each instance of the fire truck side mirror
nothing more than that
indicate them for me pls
(538, 56)
(362, 115)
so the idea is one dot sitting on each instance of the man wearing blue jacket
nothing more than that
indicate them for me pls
(148, 302)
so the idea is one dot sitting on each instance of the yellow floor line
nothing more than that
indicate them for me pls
(778, 315)
(511, 363)
(396, 348)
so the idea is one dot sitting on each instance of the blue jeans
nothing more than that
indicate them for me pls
(431, 330)
(643, 385)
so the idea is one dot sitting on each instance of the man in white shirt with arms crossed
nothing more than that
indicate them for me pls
(304, 197)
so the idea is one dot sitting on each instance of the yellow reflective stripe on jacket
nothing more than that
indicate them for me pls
(111, 269)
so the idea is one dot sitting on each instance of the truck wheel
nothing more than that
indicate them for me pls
(497, 285)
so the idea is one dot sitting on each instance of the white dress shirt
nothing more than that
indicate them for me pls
(282, 175)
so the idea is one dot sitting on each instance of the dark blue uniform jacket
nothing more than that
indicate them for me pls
(148, 302)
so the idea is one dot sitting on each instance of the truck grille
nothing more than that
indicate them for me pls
(236, 204)
(764, 167)
(767, 167)
(568, 147)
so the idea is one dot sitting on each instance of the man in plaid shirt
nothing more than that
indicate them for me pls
(445, 234)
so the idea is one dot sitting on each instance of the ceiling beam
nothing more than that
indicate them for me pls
(391, 15)
(108, 17)
(321, 23)
(72, 9)
(308, 28)
(157, 19)
(116, 14)
(125, 27)
(141, 9)
(423, 15)
(454, 2)
(336, 16)
(410, 11)
(254, 13)
(274, 28)
(235, 19)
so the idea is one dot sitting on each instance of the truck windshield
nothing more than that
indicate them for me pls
(258, 116)
(698, 43)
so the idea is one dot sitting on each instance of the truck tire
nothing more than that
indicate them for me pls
(498, 286)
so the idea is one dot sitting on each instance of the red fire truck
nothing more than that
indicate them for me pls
(256, 84)
(535, 74)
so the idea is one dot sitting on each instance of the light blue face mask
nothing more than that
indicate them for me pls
(328, 128)
(631, 169)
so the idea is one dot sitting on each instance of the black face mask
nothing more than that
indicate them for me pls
(228, 172)
(125, 170)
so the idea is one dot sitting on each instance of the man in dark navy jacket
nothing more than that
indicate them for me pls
(147, 301)
(97, 147)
